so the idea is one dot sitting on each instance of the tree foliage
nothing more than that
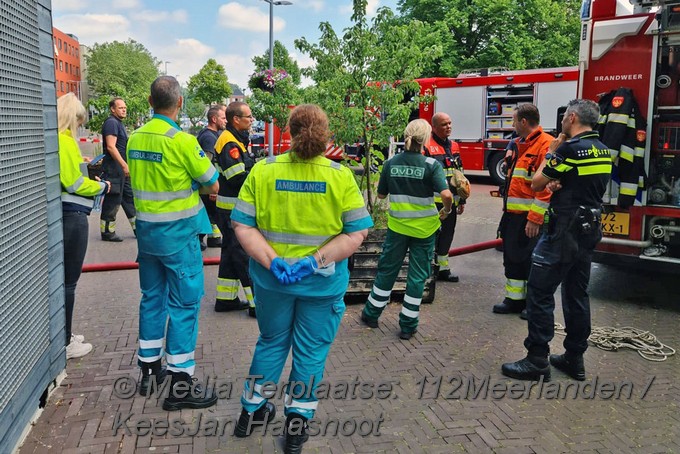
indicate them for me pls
(124, 69)
(282, 60)
(210, 85)
(365, 79)
(517, 34)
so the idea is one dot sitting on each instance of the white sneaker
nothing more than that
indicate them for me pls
(79, 338)
(77, 350)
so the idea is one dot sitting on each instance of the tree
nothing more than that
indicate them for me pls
(365, 80)
(194, 109)
(282, 60)
(210, 85)
(517, 34)
(120, 69)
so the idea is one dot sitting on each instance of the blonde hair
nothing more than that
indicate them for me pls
(308, 125)
(70, 113)
(415, 135)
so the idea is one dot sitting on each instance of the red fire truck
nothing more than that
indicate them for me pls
(638, 47)
(481, 104)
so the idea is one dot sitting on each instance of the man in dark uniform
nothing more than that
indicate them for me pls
(446, 152)
(577, 171)
(234, 162)
(207, 138)
(115, 170)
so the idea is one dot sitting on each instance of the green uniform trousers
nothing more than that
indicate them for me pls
(420, 257)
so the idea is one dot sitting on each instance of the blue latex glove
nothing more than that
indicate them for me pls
(281, 271)
(195, 185)
(303, 268)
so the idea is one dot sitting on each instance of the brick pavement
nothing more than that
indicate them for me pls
(458, 339)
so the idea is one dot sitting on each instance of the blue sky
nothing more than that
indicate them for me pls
(186, 34)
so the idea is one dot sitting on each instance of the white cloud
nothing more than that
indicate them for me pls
(236, 16)
(95, 28)
(184, 57)
(238, 68)
(69, 5)
(125, 4)
(178, 16)
(315, 5)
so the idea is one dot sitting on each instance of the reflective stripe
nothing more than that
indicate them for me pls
(78, 200)
(335, 165)
(522, 173)
(377, 303)
(74, 187)
(409, 313)
(400, 198)
(430, 161)
(270, 160)
(226, 203)
(249, 296)
(411, 300)
(207, 176)
(162, 196)
(149, 359)
(618, 118)
(353, 215)
(245, 207)
(515, 289)
(603, 169)
(292, 238)
(179, 359)
(154, 343)
(443, 262)
(629, 189)
(413, 214)
(541, 204)
(254, 399)
(234, 170)
(381, 292)
(171, 132)
(166, 217)
(290, 402)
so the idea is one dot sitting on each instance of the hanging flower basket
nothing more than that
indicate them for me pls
(267, 79)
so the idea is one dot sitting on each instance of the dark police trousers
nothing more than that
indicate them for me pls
(562, 256)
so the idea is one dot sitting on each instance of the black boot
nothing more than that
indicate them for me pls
(185, 394)
(108, 234)
(529, 368)
(151, 371)
(251, 312)
(447, 276)
(509, 306)
(296, 433)
(230, 305)
(571, 365)
(264, 414)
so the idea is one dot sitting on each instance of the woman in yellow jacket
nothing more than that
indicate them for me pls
(77, 199)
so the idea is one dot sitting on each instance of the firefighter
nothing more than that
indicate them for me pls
(167, 167)
(410, 179)
(447, 153)
(523, 208)
(300, 305)
(577, 170)
(207, 137)
(115, 169)
(233, 162)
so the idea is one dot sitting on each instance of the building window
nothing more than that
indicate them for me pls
(78, 71)
(77, 52)
(61, 86)
(61, 65)
(59, 43)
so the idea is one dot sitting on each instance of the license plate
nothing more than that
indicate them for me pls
(615, 223)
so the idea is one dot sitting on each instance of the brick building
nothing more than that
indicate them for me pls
(67, 72)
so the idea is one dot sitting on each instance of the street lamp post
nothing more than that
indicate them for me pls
(166, 67)
(270, 136)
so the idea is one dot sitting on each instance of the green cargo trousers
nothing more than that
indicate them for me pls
(394, 250)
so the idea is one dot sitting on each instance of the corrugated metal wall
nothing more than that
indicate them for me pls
(31, 257)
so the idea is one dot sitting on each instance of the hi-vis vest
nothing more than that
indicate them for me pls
(75, 188)
(162, 170)
(282, 190)
(520, 197)
(227, 202)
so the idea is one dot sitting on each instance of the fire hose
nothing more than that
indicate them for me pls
(118, 266)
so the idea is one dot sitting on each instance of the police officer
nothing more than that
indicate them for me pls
(299, 306)
(523, 208)
(167, 168)
(577, 170)
(207, 137)
(410, 179)
(115, 169)
(447, 153)
(234, 162)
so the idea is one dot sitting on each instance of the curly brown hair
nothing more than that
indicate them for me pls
(308, 125)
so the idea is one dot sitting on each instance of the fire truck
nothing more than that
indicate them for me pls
(481, 104)
(636, 45)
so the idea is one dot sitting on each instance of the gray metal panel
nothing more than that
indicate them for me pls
(31, 273)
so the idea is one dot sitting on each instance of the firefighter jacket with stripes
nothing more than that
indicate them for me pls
(623, 129)
(233, 162)
(528, 153)
(447, 153)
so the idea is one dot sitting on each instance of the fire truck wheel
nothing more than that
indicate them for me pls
(495, 162)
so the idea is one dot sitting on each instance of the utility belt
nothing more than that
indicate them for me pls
(584, 221)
